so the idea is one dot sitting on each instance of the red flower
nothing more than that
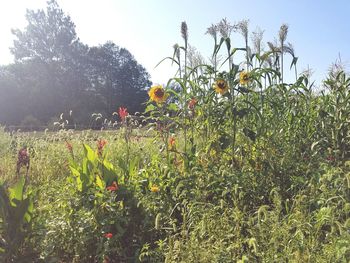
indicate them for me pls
(69, 146)
(123, 112)
(23, 159)
(330, 158)
(108, 235)
(23, 156)
(23, 153)
(100, 145)
(192, 103)
(172, 142)
(113, 187)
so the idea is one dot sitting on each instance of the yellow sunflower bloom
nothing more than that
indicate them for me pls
(244, 78)
(221, 86)
(154, 189)
(157, 94)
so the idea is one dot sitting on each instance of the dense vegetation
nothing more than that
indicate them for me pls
(233, 165)
(54, 73)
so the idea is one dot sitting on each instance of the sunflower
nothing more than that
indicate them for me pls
(221, 86)
(244, 78)
(157, 94)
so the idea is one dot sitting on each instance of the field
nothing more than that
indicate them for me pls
(226, 166)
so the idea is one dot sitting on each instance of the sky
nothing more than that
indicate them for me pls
(319, 30)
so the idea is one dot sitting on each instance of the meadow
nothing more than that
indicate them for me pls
(226, 164)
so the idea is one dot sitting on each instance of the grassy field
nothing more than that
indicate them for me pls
(165, 211)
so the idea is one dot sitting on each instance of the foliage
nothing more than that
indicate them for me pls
(233, 165)
(15, 215)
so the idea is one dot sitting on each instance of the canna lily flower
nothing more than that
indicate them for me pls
(113, 187)
(23, 159)
(158, 94)
(192, 103)
(221, 86)
(244, 78)
(172, 143)
(154, 189)
(330, 158)
(69, 146)
(23, 156)
(100, 145)
(108, 235)
(123, 112)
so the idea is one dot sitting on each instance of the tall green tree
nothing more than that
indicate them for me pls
(118, 78)
(49, 36)
(50, 62)
(54, 72)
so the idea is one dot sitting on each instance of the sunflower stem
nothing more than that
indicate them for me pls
(234, 120)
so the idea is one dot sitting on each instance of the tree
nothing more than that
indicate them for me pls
(118, 78)
(54, 73)
(49, 36)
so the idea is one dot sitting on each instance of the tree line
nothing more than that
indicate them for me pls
(54, 72)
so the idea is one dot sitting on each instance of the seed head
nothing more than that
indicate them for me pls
(225, 28)
(184, 31)
(283, 33)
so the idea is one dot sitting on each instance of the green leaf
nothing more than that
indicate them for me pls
(100, 183)
(30, 208)
(90, 154)
(170, 58)
(150, 107)
(133, 165)
(20, 213)
(79, 183)
(173, 107)
(217, 47)
(228, 43)
(109, 173)
(294, 62)
(16, 192)
(74, 171)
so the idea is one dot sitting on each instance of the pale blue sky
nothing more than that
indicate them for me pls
(319, 30)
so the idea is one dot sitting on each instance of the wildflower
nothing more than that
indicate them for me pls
(157, 94)
(113, 187)
(244, 78)
(123, 112)
(172, 143)
(221, 86)
(23, 156)
(192, 103)
(69, 146)
(108, 235)
(330, 158)
(23, 159)
(100, 145)
(155, 189)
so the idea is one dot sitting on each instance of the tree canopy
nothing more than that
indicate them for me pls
(54, 73)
